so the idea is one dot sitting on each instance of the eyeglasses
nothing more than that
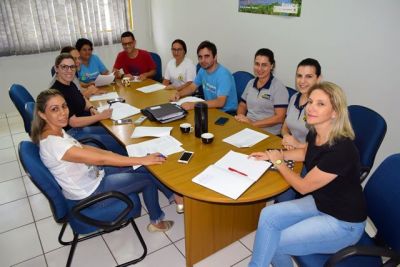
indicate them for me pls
(176, 49)
(67, 67)
(127, 44)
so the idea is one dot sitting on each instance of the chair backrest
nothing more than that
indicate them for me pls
(29, 112)
(291, 91)
(43, 179)
(197, 68)
(370, 129)
(20, 96)
(241, 80)
(52, 71)
(382, 193)
(157, 60)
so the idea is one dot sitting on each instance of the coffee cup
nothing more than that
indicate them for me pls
(207, 138)
(126, 81)
(186, 127)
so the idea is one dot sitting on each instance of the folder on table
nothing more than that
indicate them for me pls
(164, 113)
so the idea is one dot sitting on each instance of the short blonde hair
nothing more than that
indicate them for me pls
(341, 126)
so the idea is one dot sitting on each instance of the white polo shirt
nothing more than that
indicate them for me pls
(181, 74)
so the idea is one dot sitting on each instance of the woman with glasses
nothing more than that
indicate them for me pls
(265, 99)
(82, 114)
(79, 168)
(180, 70)
(91, 66)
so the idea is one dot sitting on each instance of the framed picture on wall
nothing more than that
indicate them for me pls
(271, 7)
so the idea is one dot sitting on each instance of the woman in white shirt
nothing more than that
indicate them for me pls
(180, 70)
(78, 168)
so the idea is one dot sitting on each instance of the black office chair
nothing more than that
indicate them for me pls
(20, 96)
(241, 80)
(382, 193)
(370, 129)
(157, 60)
(84, 217)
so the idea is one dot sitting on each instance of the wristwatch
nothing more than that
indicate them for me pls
(278, 162)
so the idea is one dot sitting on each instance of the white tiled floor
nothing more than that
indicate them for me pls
(28, 233)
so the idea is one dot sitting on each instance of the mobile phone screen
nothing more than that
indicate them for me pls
(123, 121)
(221, 120)
(185, 157)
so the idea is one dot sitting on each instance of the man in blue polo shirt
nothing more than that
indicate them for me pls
(217, 82)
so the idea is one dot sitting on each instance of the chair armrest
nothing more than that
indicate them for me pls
(364, 171)
(94, 141)
(361, 251)
(107, 225)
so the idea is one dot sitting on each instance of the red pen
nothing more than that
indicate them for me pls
(234, 170)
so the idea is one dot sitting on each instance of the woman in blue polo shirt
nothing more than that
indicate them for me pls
(91, 65)
(265, 99)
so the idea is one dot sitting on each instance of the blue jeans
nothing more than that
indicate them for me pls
(128, 181)
(165, 190)
(100, 134)
(297, 228)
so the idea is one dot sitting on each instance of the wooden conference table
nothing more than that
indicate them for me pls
(212, 220)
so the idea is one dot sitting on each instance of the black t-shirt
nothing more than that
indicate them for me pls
(74, 98)
(342, 198)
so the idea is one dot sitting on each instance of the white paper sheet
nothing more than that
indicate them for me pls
(120, 110)
(166, 145)
(105, 96)
(151, 88)
(232, 175)
(142, 131)
(189, 99)
(102, 80)
(245, 138)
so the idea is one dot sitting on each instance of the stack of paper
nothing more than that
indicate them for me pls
(106, 96)
(245, 138)
(166, 145)
(142, 131)
(120, 110)
(102, 80)
(189, 99)
(151, 88)
(232, 175)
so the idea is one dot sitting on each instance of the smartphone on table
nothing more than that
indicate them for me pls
(221, 120)
(123, 121)
(185, 157)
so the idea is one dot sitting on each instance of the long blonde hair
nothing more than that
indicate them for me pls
(38, 123)
(341, 126)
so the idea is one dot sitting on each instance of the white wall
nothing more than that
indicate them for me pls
(33, 71)
(356, 42)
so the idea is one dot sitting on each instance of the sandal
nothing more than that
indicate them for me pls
(152, 228)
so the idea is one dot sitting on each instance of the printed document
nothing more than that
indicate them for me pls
(166, 145)
(142, 131)
(105, 96)
(233, 174)
(120, 110)
(245, 138)
(102, 80)
(189, 99)
(151, 88)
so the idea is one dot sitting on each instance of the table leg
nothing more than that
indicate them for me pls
(210, 227)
